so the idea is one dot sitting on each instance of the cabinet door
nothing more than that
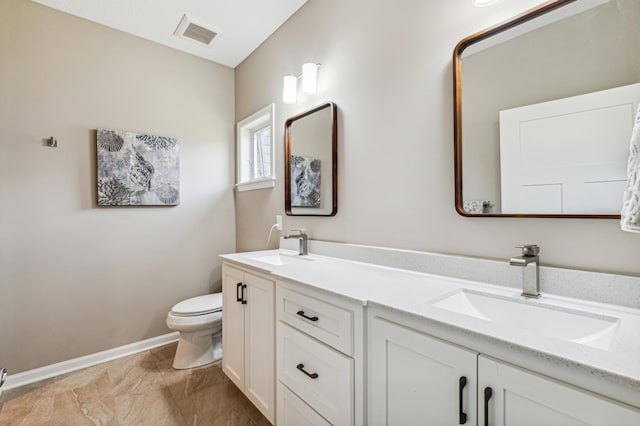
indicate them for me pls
(259, 367)
(232, 325)
(523, 398)
(415, 379)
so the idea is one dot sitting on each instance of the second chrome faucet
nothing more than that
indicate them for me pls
(529, 262)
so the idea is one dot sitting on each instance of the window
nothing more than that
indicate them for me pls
(262, 152)
(255, 145)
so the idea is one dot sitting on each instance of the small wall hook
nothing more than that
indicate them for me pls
(52, 142)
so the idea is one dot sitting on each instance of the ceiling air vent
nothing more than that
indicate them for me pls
(192, 31)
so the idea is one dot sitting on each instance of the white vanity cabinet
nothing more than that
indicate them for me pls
(416, 379)
(319, 348)
(520, 397)
(248, 335)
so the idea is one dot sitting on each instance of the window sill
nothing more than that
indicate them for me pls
(256, 184)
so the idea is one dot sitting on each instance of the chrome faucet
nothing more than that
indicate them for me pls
(302, 237)
(529, 262)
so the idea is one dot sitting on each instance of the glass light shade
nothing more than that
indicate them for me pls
(482, 3)
(289, 89)
(309, 77)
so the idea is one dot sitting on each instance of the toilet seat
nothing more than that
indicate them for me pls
(200, 305)
(194, 322)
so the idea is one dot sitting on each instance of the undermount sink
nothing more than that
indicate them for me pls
(571, 325)
(279, 259)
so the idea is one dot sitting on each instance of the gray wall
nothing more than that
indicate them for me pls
(74, 278)
(387, 65)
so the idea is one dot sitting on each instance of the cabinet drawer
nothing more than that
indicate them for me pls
(292, 411)
(318, 374)
(328, 323)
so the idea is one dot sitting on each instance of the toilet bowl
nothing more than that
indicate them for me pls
(199, 321)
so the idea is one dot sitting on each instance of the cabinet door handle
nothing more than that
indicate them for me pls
(301, 368)
(462, 382)
(487, 396)
(301, 313)
(238, 295)
(243, 295)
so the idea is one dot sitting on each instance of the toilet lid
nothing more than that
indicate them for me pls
(199, 305)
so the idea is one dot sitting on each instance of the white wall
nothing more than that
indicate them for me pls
(74, 278)
(387, 65)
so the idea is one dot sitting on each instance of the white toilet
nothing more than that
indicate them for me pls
(199, 321)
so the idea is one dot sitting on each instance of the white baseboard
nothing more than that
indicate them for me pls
(48, 371)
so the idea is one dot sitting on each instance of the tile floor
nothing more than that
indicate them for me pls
(141, 389)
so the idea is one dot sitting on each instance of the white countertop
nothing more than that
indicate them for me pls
(613, 371)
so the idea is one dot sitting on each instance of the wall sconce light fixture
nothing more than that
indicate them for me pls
(289, 89)
(309, 77)
(309, 82)
(483, 3)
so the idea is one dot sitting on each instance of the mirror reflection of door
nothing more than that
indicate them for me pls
(568, 155)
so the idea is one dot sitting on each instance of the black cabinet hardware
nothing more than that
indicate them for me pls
(301, 313)
(487, 396)
(301, 368)
(462, 382)
(243, 295)
(238, 296)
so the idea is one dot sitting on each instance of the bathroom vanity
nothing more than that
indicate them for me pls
(414, 375)
(374, 343)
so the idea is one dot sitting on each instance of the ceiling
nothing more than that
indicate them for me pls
(242, 25)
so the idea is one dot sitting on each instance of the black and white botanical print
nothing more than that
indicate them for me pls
(113, 193)
(137, 169)
(305, 181)
(157, 142)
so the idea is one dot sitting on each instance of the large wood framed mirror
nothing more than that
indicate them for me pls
(311, 162)
(544, 106)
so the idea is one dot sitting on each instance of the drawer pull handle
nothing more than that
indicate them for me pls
(243, 299)
(462, 382)
(301, 313)
(487, 396)
(312, 375)
(238, 296)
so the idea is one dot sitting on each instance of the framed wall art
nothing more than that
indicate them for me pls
(137, 169)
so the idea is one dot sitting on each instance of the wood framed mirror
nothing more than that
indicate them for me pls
(311, 162)
(543, 111)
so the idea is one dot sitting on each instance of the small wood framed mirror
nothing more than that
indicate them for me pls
(311, 162)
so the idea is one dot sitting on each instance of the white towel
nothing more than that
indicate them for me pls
(630, 215)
